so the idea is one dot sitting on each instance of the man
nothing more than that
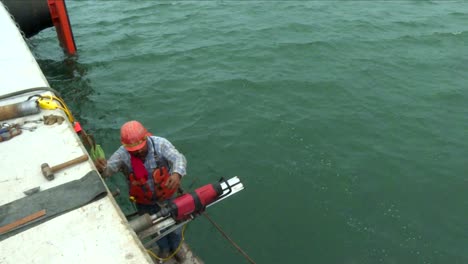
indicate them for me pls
(153, 168)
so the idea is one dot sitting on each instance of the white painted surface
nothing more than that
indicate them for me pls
(95, 233)
(90, 234)
(18, 68)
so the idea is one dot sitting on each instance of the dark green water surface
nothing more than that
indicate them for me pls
(346, 121)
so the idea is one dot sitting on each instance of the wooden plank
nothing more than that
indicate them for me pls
(22, 221)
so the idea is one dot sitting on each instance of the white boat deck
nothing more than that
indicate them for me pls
(94, 233)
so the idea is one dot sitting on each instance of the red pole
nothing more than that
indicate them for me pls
(59, 15)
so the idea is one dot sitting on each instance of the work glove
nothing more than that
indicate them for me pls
(97, 152)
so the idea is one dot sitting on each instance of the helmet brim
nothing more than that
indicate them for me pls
(137, 147)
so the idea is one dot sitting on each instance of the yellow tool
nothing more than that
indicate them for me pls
(47, 104)
(51, 102)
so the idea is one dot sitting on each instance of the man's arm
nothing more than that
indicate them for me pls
(177, 160)
(109, 167)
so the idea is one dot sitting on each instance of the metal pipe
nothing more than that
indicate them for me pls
(25, 108)
(141, 223)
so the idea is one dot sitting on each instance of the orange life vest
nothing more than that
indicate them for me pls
(141, 191)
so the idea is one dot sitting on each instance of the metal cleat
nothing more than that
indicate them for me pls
(29, 128)
(37, 121)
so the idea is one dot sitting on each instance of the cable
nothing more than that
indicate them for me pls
(173, 253)
(30, 90)
(246, 256)
(228, 238)
(65, 109)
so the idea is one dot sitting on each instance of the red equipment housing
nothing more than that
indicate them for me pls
(191, 203)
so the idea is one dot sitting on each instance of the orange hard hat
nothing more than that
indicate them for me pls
(133, 135)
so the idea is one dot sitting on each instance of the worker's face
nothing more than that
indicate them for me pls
(141, 153)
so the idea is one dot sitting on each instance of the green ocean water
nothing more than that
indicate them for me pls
(345, 120)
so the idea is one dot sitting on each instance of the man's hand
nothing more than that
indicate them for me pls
(173, 181)
(100, 164)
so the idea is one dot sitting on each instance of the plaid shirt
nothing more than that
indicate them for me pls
(120, 160)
